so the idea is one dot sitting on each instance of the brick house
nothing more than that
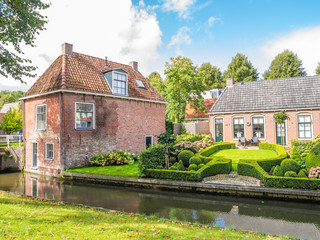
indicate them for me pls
(83, 105)
(245, 110)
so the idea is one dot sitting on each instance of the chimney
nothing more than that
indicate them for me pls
(106, 61)
(134, 65)
(229, 81)
(66, 48)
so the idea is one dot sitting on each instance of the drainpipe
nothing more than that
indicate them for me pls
(60, 138)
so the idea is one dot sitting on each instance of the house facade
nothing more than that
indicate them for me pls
(245, 110)
(83, 105)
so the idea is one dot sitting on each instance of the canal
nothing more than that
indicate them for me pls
(296, 219)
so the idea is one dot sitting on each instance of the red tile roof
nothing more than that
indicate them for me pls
(81, 72)
(190, 112)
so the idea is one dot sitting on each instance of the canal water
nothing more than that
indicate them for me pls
(296, 219)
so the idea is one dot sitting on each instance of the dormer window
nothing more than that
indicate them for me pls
(140, 83)
(117, 80)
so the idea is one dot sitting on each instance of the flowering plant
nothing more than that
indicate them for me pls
(314, 172)
(202, 144)
(186, 145)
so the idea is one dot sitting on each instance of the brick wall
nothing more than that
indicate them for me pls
(270, 127)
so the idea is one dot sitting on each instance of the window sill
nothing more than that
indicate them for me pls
(85, 129)
(305, 139)
(34, 168)
(40, 130)
(47, 159)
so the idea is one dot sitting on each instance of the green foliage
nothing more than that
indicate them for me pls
(210, 76)
(118, 157)
(272, 169)
(280, 117)
(318, 69)
(193, 167)
(312, 160)
(301, 147)
(169, 127)
(157, 82)
(290, 165)
(20, 21)
(241, 69)
(166, 138)
(184, 156)
(302, 174)
(172, 160)
(182, 86)
(173, 168)
(267, 164)
(316, 149)
(180, 166)
(285, 65)
(190, 137)
(185, 145)
(277, 171)
(195, 160)
(290, 174)
(206, 153)
(201, 165)
(12, 121)
(9, 97)
(159, 167)
(151, 157)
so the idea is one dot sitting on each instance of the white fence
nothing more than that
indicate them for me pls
(11, 139)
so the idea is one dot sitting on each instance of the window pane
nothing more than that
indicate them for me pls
(84, 115)
(308, 134)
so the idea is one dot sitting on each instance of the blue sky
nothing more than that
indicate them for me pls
(151, 32)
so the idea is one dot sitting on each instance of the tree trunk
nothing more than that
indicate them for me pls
(167, 157)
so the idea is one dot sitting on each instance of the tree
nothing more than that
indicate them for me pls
(166, 138)
(285, 65)
(210, 76)
(241, 69)
(12, 121)
(20, 22)
(9, 97)
(280, 118)
(157, 82)
(181, 87)
(318, 68)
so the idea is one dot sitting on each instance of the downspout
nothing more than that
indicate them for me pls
(60, 138)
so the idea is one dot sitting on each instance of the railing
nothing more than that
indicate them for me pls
(11, 139)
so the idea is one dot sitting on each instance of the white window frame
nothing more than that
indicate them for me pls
(93, 115)
(264, 125)
(244, 127)
(305, 114)
(121, 73)
(37, 117)
(145, 140)
(214, 123)
(143, 86)
(46, 152)
(32, 167)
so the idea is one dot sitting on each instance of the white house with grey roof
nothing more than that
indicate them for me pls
(245, 110)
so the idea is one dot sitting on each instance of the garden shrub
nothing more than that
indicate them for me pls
(302, 174)
(152, 157)
(314, 172)
(190, 137)
(200, 165)
(313, 158)
(173, 168)
(185, 145)
(290, 165)
(159, 167)
(206, 153)
(202, 144)
(290, 174)
(118, 157)
(195, 160)
(316, 149)
(277, 171)
(180, 166)
(193, 167)
(272, 169)
(184, 156)
(172, 160)
(300, 147)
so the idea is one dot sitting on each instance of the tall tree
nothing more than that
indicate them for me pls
(20, 22)
(157, 82)
(210, 76)
(285, 65)
(241, 69)
(181, 87)
(12, 121)
(318, 68)
(9, 97)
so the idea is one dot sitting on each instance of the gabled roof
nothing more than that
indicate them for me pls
(270, 95)
(191, 113)
(83, 73)
(7, 106)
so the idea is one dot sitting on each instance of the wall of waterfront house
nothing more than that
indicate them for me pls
(291, 129)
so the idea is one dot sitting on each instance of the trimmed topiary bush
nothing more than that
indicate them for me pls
(200, 165)
(193, 167)
(195, 160)
(152, 157)
(173, 168)
(290, 174)
(312, 160)
(184, 156)
(172, 160)
(290, 165)
(159, 167)
(180, 166)
(277, 171)
(272, 169)
(302, 174)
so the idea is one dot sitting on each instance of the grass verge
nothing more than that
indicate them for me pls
(26, 218)
(237, 154)
(127, 170)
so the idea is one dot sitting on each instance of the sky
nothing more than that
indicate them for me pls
(151, 32)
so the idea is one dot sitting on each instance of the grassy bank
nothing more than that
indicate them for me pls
(25, 218)
(121, 170)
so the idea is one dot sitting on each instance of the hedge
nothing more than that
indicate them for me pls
(206, 153)
(222, 166)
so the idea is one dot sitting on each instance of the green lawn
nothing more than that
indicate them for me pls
(26, 218)
(122, 170)
(237, 154)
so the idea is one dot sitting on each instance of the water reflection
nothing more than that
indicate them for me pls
(301, 220)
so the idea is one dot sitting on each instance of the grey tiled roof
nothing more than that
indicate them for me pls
(269, 95)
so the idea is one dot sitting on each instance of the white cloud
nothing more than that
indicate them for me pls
(303, 42)
(115, 29)
(182, 37)
(179, 6)
(212, 21)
